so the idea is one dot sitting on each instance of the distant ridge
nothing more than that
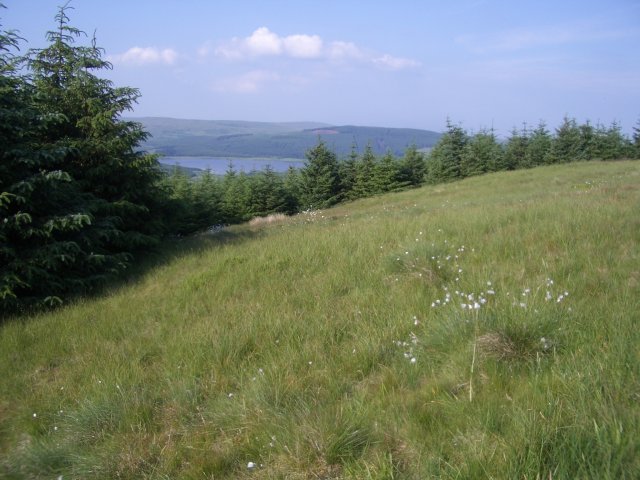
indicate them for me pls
(233, 138)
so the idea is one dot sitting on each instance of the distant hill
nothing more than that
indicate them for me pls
(223, 138)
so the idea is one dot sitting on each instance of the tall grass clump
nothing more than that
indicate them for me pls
(479, 329)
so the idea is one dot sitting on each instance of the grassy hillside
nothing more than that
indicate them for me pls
(480, 329)
(216, 138)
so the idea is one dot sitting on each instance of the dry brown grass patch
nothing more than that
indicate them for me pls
(268, 220)
(496, 345)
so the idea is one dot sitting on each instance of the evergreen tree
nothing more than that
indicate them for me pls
(444, 162)
(320, 179)
(268, 194)
(181, 202)
(589, 147)
(386, 174)
(364, 185)
(538, 147)
(481, 154)
(348, 170)
(567, 143)
(102, 149)
(235, 196)
(515, 151)
(97, 153)
(39, 211)
(614, 144)
(292, 187)
(412, 167)
(208, 194)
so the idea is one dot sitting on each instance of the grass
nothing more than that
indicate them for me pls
(335, 344)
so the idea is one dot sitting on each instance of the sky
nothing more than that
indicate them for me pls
(401, 63)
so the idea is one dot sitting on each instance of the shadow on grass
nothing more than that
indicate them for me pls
(176, 248)
(168, 250)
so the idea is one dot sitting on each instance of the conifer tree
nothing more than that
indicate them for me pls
(102, 149)
(614, 144)
(412, 167)
(567, 143)
(235, 196)
(320, 179)
(538, 147)
(61, 231)
(444, 162)
(43, 213)
(386, 174)
(268, 194)
(364, 185)
(515, 150)
(292, 187)
(208, 192)
(588, 148)
(481, 154)
(348, 170)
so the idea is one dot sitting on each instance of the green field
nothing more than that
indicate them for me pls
(486, 328)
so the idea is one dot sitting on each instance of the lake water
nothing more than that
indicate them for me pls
(219, 166)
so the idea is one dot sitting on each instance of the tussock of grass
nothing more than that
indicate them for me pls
(480, 329)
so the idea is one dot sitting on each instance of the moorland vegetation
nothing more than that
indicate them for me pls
(80, 202)
(414, 319)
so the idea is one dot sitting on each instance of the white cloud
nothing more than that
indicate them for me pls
(264, 42)
(303, 46)
(339, 50)
(250, 82)
(145, 56)
(394, 63)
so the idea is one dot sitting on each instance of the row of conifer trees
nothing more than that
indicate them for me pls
(79, 200)
(326, 180)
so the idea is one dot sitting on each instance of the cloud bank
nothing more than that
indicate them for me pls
(263, 43)
(145, 56)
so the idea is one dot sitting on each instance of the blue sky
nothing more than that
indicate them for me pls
(398, 63)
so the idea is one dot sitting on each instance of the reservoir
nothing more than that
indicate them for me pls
(219, 165)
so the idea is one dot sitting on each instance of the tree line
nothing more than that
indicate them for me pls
(326, 180)
(80, 202)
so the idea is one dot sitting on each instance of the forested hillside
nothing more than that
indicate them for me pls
(215, 138)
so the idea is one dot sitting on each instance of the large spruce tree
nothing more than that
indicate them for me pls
(78, 198)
